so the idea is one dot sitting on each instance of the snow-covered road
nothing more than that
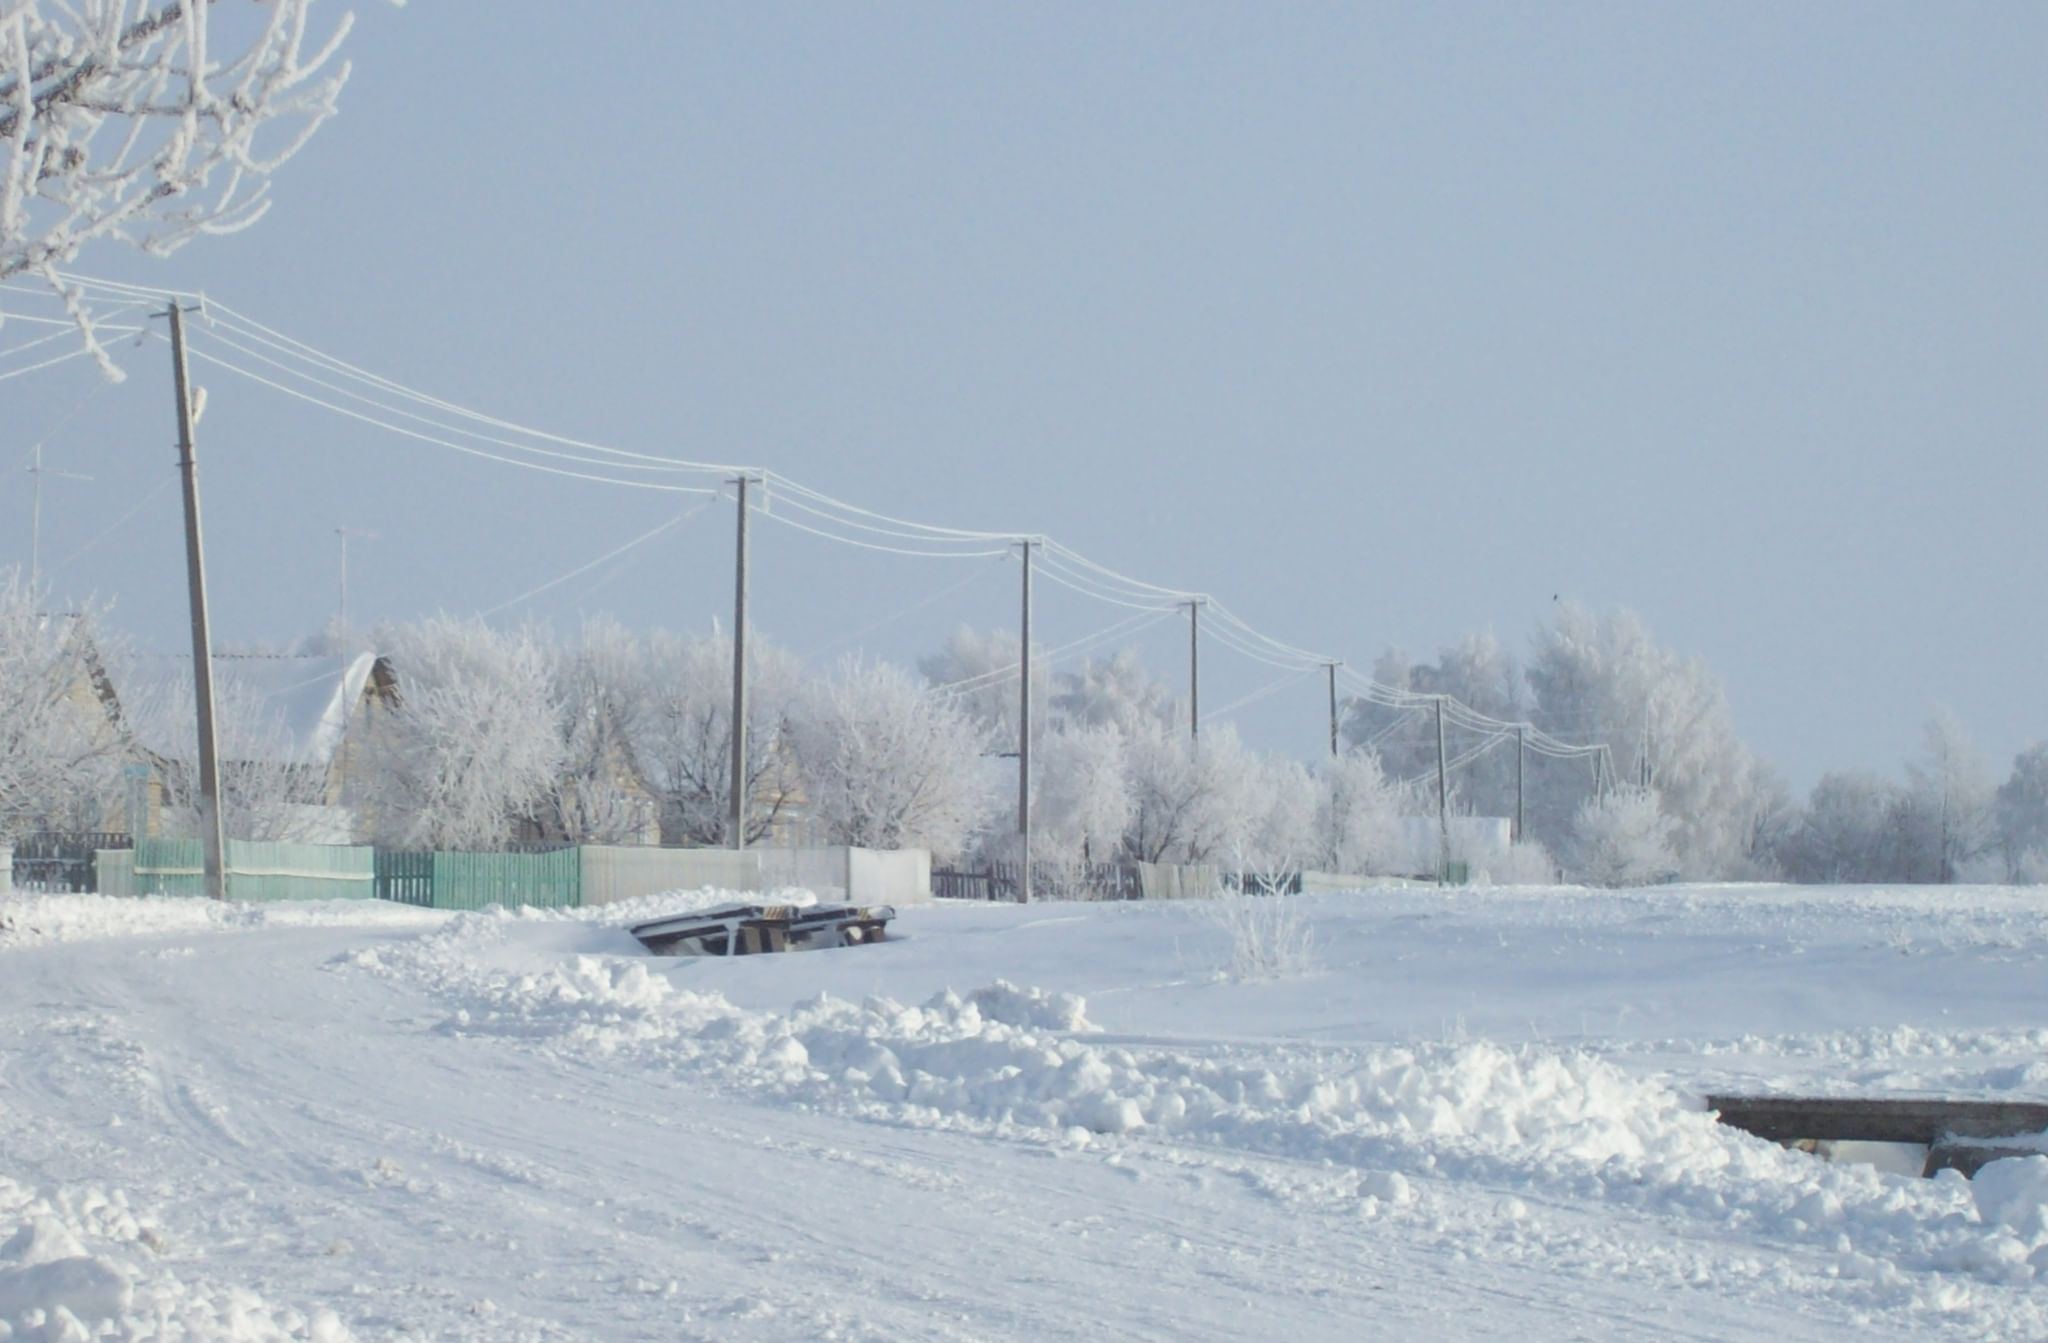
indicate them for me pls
(360, 1121)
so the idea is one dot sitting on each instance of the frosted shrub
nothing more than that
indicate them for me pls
(1624, 839)
(1269, 935)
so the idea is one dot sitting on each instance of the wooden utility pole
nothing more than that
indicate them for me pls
(1333, 709)
(211, 840)
(1443, 802)
(1520, 743)
(1194, 668)
(739, 673)
(1024, 730)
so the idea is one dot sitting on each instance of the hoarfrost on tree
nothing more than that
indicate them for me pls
(128, 120)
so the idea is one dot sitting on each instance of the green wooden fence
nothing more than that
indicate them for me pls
(552, 880)
(257, 870)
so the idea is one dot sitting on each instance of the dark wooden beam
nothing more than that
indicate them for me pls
(1862, 1119)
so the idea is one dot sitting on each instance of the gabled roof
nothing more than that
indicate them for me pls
(297, 707)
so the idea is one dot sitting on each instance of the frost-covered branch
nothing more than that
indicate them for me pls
(122, 120)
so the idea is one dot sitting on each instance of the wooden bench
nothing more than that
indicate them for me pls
(1958, 1135)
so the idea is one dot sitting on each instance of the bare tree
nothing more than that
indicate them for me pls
(123, 119)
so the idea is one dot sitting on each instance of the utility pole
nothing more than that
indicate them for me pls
(1024, 729)
(739, 673)
(1443, 802)
(1521, 744)
(35, 530)
(1333, 709)
(345, 533)
(202, 643)
(1194, 668)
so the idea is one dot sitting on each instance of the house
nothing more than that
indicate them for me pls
(290, 732)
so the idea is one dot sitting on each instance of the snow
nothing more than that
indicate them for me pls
(1475, 1111)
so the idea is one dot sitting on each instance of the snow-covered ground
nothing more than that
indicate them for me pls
(1476, 1114)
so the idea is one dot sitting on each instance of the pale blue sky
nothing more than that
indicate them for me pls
(1384, 323)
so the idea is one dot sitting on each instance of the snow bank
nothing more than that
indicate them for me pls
(26, 920)
(1019, 1061)
(79, 1266)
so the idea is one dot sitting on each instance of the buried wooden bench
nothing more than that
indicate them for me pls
(1958, 1135)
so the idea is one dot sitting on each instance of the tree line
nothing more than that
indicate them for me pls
(492, 735)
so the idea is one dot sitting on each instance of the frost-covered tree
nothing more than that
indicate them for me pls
(1666, 724)
(597, 795)
(1771, 818)
(681, 733)
(1280, 833)
(1358, 816)
(1477, 672)
(1191, 801)
(1624, 838)
(1083, 802)
(149, 121)
(1848, 832)
(1115, 690)
(473, 748)
(978, 672)
(886, 765)
(60, 753)
(1951, 824)
(2021, 811)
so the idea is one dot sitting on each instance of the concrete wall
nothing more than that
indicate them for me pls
(1180, 881)
(889, 876)
(1326, 883)
(858, 876)
(614, 873)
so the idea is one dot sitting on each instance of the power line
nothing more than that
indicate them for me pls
(833, 518)
(609, 555)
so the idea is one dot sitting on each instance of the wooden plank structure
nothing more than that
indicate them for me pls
(1958, 1135)
(745, 930)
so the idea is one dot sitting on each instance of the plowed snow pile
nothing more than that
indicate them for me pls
(1421, 1078)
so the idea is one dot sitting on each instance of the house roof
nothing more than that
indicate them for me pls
(297, 708)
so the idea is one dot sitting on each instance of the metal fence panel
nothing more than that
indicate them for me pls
(474, 880)
(405, 877)
(61, 861)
